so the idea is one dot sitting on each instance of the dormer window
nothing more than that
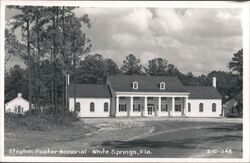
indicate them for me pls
(135, 85)
(162, 85)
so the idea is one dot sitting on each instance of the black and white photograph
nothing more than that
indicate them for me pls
(125, 81)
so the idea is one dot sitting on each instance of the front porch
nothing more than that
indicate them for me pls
(171, 106)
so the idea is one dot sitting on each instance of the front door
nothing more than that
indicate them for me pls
(151, 109)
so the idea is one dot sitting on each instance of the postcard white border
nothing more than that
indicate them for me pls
(158, 4)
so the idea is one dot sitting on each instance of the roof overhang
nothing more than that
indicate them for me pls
(152, 94)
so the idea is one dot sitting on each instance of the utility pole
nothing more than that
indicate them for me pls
(66, 91)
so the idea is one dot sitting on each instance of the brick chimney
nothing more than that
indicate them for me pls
(19, 95)
(214, 82)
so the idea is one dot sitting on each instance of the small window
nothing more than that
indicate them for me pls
(162, 85)
(164, 98)
(150, 98)
(78, 107)
(189, 107)
(177, 98)
(135, 85)
(177, 108)
(201, 107)
(122, 107)
(136, 108)
(214, 107)
(122, 98)
(92, 107)
(106, 107)
(164, 108)
(136, 98)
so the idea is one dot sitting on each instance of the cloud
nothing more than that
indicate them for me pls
(138, 20)
(124, 40)
(196, 40)
(193, 39)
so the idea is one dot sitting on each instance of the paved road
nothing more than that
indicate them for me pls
(220, 140)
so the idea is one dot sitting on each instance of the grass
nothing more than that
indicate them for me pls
(38, 121)
(39, 130)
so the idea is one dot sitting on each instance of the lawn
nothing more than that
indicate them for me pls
(150, 137)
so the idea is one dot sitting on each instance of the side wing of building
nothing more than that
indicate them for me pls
(204, 101)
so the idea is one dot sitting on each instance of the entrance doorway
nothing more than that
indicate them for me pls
(151, 109)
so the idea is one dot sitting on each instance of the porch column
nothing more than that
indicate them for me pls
(159, 106)
(184, 106)
(173, 105)
(131, 106)
(117, 105)
(169, 110)
(145, 106)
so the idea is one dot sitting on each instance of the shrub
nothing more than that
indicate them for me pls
(38, 121)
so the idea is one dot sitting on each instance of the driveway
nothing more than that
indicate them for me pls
(215, 139)
(140, 137)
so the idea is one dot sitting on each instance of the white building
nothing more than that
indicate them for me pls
(92, 100)
(18, 105)
(124, 96)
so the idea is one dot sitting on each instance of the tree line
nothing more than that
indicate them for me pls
(54, 44)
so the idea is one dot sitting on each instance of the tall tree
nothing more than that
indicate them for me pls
(24, 21)
(227, 84)
(112, 67)
(95, 69)
(80, 44)
(40, 19)
(131, 65)
(92, 69)
(13, 47)
(52, 34)
(172, 70)
(16, 81)
(236, 65)
(157, 67)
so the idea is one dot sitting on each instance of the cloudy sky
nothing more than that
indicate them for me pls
(195, 40)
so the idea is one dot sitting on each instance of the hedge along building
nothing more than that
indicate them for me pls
(124, 96)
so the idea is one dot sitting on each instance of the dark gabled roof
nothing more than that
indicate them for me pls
(89, 90)
(123, 83)
(203, 92)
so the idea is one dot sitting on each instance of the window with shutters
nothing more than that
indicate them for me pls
(214, 107)
(106, 107)
(92, 107)
(122, 107)
(78, 107)
(201, 107)
(177, 108)
(164, 108)
(189, 107)
(136, 108)
(122, 98)
(136, 98)
(150, 98)
(164, 98)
